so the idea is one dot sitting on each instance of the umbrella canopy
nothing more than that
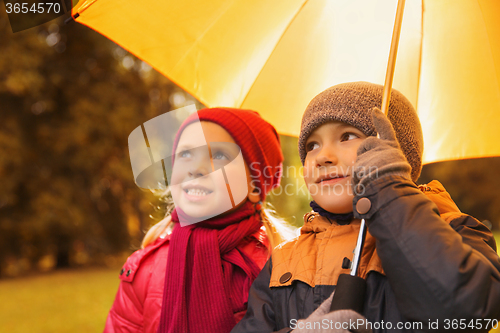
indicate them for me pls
(275, 56)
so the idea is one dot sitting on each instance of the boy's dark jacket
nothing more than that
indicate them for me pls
(421, 270)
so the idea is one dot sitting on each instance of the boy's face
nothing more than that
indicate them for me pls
(331, 152)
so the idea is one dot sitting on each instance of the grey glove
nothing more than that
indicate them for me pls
(340, 321)
(379, 157)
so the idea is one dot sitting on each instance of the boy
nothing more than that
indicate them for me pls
(425, 263)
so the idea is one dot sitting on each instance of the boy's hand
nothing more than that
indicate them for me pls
(340, 321)
(379, 157)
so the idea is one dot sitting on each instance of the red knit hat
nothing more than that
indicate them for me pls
(258, 140)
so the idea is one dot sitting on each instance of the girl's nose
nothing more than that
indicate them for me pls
(200, 167)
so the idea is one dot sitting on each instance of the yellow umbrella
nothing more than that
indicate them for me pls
(274, 56)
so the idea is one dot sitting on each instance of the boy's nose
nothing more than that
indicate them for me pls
(326, 157)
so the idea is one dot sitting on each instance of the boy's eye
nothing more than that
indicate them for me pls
(348, 136)
(311, 146)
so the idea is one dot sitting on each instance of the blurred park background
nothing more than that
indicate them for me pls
(70, 213)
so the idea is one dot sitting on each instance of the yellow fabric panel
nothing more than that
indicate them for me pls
(274, 56)
(331, 42)
(212, 49)
(459, 95)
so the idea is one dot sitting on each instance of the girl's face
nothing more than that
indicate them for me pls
(331, 153)
(209, 175)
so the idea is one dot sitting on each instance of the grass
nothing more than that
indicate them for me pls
(63, 301)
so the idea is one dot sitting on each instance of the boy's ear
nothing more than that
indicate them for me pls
(254, 195)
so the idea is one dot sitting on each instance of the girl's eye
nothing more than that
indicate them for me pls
(348, 136)
(220, 156)
(311, 146)
(185, 154)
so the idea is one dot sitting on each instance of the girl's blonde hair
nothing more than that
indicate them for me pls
(277, 230)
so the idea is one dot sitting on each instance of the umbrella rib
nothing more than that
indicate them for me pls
(270, 55)
(85, 6)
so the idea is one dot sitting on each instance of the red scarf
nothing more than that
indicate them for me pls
(207, 277)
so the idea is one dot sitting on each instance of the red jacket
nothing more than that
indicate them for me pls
(137, 304)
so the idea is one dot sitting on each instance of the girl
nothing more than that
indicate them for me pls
(196, 277)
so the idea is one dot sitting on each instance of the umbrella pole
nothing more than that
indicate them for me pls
(350, 290)
(391, 64)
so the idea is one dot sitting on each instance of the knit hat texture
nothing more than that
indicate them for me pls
(352, 103)
(258, 140)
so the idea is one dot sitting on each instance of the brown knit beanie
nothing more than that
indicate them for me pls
(352, 103)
